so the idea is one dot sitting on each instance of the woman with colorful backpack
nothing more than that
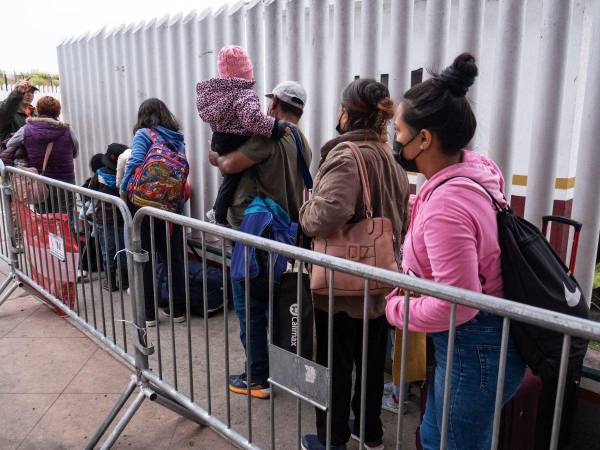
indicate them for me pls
(156, 175)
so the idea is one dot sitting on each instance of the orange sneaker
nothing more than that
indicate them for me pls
(237, 384)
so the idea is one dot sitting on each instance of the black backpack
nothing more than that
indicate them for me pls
(535, 275)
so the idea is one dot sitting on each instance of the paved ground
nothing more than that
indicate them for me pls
(56, 385)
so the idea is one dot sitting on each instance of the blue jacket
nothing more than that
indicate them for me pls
(263, 217)
(140, 146)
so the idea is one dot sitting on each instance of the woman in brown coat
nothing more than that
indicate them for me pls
(337, 200)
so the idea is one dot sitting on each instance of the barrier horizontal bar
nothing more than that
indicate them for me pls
(117, 201)
(562, 323)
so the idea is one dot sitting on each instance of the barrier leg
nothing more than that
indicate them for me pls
(8, 287)
(122, 423)
(112, 414)
(164, 400)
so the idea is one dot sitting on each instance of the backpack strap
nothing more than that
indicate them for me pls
(497, 205)
(302, 166)
(153, 136)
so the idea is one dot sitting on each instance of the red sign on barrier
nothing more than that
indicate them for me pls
(52, 251)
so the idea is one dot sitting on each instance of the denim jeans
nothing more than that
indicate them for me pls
(473, 386)
(259, 319)
(109, 248)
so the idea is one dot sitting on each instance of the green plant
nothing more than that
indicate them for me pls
(38, 78)
(597, 277)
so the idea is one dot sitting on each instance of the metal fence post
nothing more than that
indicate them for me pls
(12, 282)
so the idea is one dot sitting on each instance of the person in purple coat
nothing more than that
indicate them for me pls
(35, 136)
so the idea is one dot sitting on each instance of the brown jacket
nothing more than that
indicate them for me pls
(337, 200)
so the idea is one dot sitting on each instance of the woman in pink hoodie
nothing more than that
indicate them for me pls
(453, 239)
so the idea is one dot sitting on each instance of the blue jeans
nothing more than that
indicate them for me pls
(473, 386)
(259, 320)
(109, 248)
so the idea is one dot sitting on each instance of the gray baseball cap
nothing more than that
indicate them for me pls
(289, 92)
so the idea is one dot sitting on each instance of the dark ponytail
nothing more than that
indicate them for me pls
(439, 105)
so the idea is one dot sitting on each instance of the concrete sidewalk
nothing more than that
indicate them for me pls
(56, 386)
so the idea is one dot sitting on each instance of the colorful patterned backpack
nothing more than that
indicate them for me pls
(161, 180)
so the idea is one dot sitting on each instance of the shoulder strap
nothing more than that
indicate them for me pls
(364, 178)
(153, 136)
(47, 156)
(302, 166)
(494, 201)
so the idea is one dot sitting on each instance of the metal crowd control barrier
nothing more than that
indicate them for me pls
(186, 366)
(305, 380)
(7, 253)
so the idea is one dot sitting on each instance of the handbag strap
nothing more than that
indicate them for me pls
(49, 148)
(364, 178)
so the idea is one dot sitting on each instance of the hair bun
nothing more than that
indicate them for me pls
(386, 108)
(460, 75)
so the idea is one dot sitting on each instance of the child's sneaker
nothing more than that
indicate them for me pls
(211, 216)
(390, 403)
(390, 388)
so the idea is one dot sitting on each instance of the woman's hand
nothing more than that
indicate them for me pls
(397, 292)
(213, 158)
(23, 86)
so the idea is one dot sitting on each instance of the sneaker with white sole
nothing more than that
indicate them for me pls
(391, 403)
(390, 388)
(178, 317)
(373, 445)
(211, 216)
(150, 321)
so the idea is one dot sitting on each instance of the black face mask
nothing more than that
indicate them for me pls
(338, 127)
(410, 165)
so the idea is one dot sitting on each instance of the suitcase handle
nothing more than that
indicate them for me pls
(572, 223)
(563, 220)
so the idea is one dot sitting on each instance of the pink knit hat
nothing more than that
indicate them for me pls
(234, 62)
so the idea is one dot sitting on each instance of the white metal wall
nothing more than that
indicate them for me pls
(532, 54)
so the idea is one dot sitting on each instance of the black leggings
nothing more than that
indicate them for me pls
(347, 354)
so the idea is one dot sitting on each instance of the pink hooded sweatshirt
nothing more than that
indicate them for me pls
(452, 239)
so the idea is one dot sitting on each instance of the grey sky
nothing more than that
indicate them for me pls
(31, 30)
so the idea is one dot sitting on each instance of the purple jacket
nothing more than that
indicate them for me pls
(37, 134)
(229, 105)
